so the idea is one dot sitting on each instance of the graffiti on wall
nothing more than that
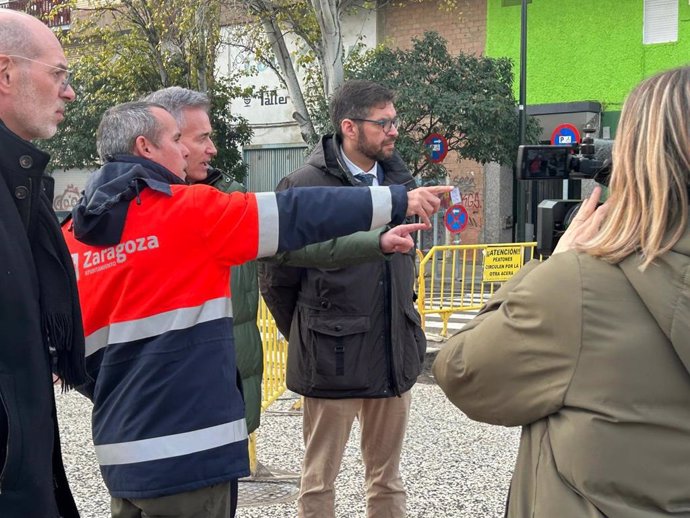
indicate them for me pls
(68, 199)
(472, 199)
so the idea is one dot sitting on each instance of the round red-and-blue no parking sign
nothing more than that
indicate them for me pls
(436, 147)
(456, 218)
(565, 135)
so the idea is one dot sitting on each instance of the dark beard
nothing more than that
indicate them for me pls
(371, 152)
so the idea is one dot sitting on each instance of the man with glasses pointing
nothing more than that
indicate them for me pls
(355, 342)
(40, 320)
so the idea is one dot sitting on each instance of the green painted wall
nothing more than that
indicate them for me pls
(583, 50)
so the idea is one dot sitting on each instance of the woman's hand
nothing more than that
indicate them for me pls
(586, 223)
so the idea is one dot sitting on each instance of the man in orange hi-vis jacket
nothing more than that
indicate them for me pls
(152, 256)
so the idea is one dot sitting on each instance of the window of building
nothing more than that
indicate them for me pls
(660, 21)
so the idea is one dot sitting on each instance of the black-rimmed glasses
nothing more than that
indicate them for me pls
(385, 124)
(64, 75)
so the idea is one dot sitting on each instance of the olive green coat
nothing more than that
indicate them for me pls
(592, 360)
(244, 288)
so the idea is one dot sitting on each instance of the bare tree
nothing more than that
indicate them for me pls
(317, 26)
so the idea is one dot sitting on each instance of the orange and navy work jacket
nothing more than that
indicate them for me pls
(168, 415)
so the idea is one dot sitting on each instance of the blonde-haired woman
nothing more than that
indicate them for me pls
(590, 351)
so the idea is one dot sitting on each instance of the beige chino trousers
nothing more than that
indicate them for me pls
(327, 424)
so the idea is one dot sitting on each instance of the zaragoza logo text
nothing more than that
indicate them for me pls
(119, 253)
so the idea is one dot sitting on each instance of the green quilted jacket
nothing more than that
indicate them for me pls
(245, 304)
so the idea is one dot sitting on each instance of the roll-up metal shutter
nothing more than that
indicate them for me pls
(269, 164)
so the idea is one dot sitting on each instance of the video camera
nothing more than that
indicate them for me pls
(590, 160)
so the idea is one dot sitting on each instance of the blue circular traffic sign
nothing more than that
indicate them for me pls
(436, 147)
(456, 218)
(565, 135)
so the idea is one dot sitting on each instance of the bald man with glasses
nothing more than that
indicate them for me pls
(61, 73)
(40, 321)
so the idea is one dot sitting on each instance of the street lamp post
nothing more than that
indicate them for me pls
(523, 73)
(519, 216)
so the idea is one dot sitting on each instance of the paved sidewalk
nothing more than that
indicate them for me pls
(452, 467)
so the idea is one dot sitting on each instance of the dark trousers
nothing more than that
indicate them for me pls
(233, 497)
(219, 501)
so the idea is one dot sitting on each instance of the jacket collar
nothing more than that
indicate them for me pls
(19, 154)
(212, 176)
(150, 173)
(223, 181)
(682, 246)
(326, 156)
(99, 217)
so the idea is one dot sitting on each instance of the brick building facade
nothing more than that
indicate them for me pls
(463, 26)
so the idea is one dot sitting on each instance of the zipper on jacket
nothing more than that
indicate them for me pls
(7, 445)
(388, 315)
(136, 189)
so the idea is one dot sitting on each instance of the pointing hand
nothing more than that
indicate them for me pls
(425, 201)
(398, 238)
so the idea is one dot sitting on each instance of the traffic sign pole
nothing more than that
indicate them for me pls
(565, 135)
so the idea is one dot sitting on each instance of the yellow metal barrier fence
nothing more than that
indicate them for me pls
(275, 361)
(275, 357)
(451, 279)
(456, 278)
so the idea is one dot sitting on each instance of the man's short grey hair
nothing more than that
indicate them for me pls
(176, 100)
(122, 124)
(16, 36)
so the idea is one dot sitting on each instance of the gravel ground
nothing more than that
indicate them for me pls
(452, 467)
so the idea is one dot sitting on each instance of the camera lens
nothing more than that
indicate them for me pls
(570, 215)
